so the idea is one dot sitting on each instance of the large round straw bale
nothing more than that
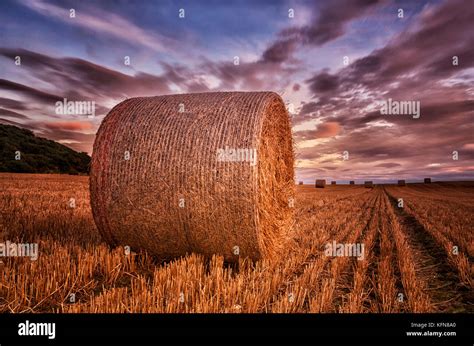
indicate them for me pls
(178, 174)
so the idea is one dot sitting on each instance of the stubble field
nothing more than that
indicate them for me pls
(417, 258)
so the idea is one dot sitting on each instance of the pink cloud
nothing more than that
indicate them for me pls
(324, 130)
(69, 125)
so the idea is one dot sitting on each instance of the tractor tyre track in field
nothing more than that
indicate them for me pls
(372, 274)
(380, 277)
(313, 257)
(346, 282)
(432, 265)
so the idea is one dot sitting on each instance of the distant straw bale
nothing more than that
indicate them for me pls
(320, 183)
(368, 184)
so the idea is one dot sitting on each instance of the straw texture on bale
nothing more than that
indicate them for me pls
(174, 196)
(427, 180)
(368, 184)
(320, 183)
(352, 182)
(401, 183)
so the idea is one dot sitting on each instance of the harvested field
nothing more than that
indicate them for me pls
(418, 257)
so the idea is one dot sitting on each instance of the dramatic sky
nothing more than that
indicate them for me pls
(334, 63)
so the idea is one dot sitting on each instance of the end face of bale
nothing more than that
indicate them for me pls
(333, 182)
(427, 180)
(368, 184)
(352, 182)
(401, 183)
(320, 183)
(209, 173)
(300, 183)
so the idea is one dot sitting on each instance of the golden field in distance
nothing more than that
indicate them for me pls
(417, 258)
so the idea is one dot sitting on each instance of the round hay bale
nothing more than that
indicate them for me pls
(210, 173)
(320, 183)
